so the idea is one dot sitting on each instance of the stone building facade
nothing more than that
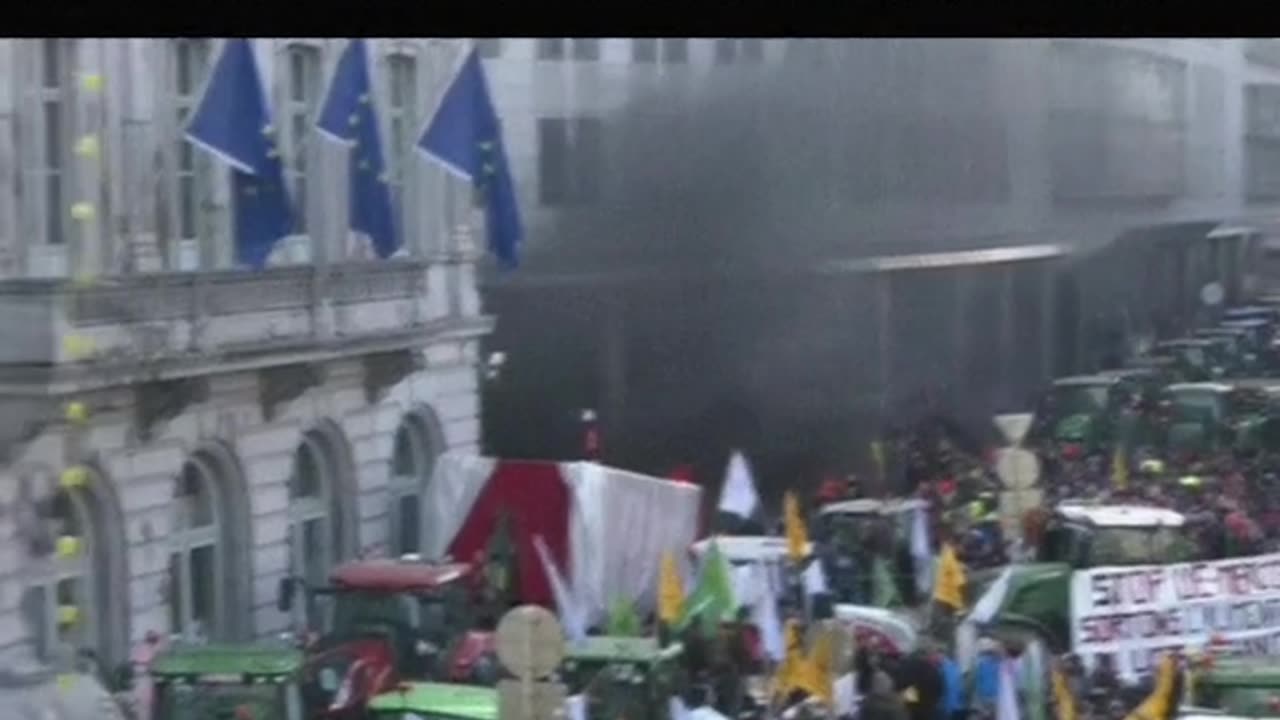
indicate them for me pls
(179, 433)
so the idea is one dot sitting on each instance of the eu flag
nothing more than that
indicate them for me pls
(233, 122)
(464, 135)
(348, 115)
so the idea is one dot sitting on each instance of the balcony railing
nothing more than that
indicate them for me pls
(192, 318)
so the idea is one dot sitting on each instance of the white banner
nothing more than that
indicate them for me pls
(1136, 614)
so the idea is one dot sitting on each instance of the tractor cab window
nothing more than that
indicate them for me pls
(216, 701)
(354, 611)
(1080, 399)
(1201, 408)
(1246, 402)
(1154, 545)
(1065, 543)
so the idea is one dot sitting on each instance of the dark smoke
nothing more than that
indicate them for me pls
(816, 157)
(716, 189)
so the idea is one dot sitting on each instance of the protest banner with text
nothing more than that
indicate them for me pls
(1136, 614)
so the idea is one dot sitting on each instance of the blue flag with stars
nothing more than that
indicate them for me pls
(348, 115)
(233, 122)
(465, 136)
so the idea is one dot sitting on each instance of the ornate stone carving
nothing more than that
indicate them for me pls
(286, 382)
(161, 401)
(383, 370)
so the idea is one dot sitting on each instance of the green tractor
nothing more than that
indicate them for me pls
(1234, 687)
(228, 682)
(1243, 415)
(1198, 359)
(1239, 346)
(1088, 410)
(435, 701)
(1033, 602)
(625, 676)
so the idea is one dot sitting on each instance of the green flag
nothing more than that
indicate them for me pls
(884, 591)
(712, 598)
(624, 621)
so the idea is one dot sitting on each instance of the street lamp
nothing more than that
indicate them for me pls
(590, 435)
(494, 364)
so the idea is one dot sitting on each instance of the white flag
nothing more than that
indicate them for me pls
(738, 495)
(568, 606)
(764, 613)
(575, 707)
(1007, 695)
(922, 551)
(989, 604)
(677, 708)
(845, 690)
(815, 579)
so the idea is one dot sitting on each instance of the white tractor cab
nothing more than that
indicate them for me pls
(752, 559)
(860, 516)
(853, 526)
(1032, 601)
(741, 550)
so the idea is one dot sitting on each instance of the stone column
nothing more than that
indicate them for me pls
(11, 242)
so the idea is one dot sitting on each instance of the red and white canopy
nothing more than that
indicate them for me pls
(606, 528)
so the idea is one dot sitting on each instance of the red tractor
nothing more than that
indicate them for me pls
(381, 622)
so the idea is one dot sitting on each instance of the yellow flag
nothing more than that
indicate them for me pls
(877, 455)
(1119, 470)
(948, 589)
(792, 672)
(1159, 703)
(797, 533)
(1062, 696)
(670, 592)
(818, 669)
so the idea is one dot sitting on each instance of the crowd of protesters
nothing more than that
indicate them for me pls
(1230, 502)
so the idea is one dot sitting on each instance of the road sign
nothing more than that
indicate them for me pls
(530, 642)
(528, 700)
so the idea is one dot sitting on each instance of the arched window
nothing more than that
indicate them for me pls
(195, 595)
(62, 604)
(311, 531)
(413, 461)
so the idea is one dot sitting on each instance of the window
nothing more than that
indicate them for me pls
(550, 48)
(302, 92)
(311, 547)
(192, 169)
(644, 50)
(412, 464)
(489, 48)
(569, 160)
(752, 49)
(586, 49)
(55, 118)
(675, 51)
(726, 50)
(1118, 124)
(194, 573)
(402, 102)
(62, 605)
